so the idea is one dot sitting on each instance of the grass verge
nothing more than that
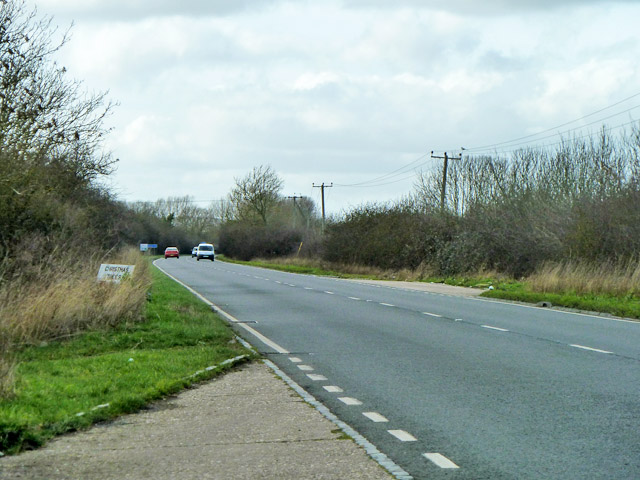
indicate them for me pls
(63, 386)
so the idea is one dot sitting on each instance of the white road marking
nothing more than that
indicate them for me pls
(315, 377)
(308, 288)
(403, 436)
(353, 298)
(495, 328)
(440, 460)
(329, 293)
(387, 304)
(432, 314)
(278, 282)
(590, 348)
(295, 359)
(333, 389)
(375, 417)
(306, 368)
(350, 401)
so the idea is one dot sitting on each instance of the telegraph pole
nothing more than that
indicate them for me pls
(294, 197)
(443, 191)
(322, 187)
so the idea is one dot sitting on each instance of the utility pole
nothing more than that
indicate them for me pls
(443, 191)
(294, 197)
(322, 187)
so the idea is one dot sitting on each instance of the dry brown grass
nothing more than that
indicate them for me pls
(619, 279)
(67, 299)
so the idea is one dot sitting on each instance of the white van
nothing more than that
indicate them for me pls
(205, 250)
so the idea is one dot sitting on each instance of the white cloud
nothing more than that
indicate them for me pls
(342, 90)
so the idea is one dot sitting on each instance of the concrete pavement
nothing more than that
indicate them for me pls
(247, 424)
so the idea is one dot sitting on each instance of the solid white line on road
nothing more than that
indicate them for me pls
(316, 378)
(375, 417)
(590, 348)
(432, 314)
(387, 304)
(333, 389)
(295, 359)
(350, 401)
(353, 298)
(306, 368)
(495, 328)
(403, 436)
(329, 293)
(440, 460)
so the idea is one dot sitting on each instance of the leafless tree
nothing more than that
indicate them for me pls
(255, 194)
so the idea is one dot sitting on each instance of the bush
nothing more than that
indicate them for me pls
(244, 241)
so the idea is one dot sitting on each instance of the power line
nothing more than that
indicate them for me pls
(394, 173)
(494, 145)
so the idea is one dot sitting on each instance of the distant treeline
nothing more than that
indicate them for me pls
(578, 201)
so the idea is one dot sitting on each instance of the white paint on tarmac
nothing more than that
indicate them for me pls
(403, 436)
(432, 314)
(387, 304)
(353, 298)
(495, 328)
(306, 368)
(316, 378)
(589, 348)
(375, 417)
(440, 460)
(350, 401)
(295, 359)
(333, 389)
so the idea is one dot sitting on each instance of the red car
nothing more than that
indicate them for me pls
(171, 252)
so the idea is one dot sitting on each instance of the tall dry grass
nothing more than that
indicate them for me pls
(64, 300)
(618, 279)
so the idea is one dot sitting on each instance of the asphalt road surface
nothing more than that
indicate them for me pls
(446, 386)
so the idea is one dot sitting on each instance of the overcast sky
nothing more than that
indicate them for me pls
(342, 91)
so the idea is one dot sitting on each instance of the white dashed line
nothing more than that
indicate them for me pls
(495, 328)
(278, 282)
(350, 401)
(440, 460)
(308, 288)
(353, 298)
(295, 359)
(387, 304)
(329, 293)
(306, 368)
(333, 389)
(375, 417)
(432, 314)
(316, 378)
(403, 436)
(590, 348)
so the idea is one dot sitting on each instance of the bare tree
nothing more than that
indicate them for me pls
(255, 195)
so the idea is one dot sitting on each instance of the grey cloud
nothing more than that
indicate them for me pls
(127, 10)
(484, 7)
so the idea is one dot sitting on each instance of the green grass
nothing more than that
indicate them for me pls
(627, 306)
(291, 268)
(126, 367)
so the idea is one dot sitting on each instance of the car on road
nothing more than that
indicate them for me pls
(171, 252)
(206, 250)
(194, 252)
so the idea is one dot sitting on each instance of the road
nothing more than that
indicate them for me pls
(446, 386)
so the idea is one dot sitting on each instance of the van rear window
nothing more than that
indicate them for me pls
(205, 248)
